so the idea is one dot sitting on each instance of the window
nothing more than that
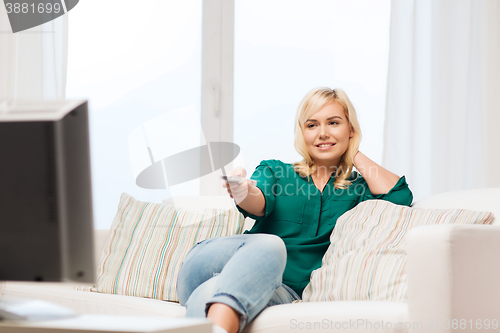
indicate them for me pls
(136, 62)
(285, 48)
(140, 68)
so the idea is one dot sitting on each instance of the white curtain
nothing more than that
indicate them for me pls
(33, 63)
(443, 95)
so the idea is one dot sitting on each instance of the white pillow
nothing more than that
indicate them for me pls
(366, 259)
(149, 241)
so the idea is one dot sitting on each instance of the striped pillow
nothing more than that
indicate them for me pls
(366, 259)
(149, 241)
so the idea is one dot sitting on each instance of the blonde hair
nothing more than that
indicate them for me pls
(312, 103)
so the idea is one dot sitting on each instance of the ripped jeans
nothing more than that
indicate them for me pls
(241, 271)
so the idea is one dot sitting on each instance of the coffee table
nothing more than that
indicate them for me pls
(107, 324)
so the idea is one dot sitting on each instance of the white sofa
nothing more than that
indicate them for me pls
(453, 274)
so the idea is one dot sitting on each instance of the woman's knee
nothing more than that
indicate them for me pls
(272, 244)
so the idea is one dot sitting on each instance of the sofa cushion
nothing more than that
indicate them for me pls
(366, 259)
(349, 316)
(92, 303)
(148, 242)
(358, 316)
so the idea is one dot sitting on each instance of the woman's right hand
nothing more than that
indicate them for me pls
(238, 191)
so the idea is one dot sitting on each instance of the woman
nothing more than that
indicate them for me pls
(295, 207)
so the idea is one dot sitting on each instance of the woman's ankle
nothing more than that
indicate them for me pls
(225, 317)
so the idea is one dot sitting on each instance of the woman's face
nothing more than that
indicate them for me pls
(327, 134)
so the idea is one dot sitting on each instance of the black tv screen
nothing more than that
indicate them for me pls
(46, 217)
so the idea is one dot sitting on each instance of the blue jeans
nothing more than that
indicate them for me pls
(241, 271)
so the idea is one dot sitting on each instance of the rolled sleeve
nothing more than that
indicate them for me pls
(266, 181)
(399, 194)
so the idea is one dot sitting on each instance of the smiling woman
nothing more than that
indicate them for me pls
(330, 124)
(300, 204)
(327, 135)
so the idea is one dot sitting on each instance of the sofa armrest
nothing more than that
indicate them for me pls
(453, 273)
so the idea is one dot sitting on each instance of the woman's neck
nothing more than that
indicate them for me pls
(324, 172)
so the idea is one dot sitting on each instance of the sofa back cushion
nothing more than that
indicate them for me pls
(366, 259)
(148, 242)
(485, 199)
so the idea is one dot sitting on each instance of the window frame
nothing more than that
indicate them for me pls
(217, 77)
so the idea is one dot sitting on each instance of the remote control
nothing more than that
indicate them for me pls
(237, 180)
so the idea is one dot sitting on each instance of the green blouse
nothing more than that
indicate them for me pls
(304, 217)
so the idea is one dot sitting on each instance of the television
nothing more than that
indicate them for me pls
(46, 217)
